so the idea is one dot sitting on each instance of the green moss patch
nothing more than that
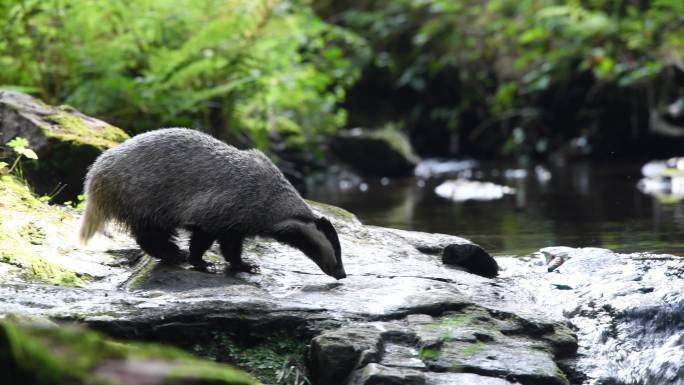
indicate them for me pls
(396, 140)
(473, 349)
(427, 354)
(22, 232)
(74, 128)
(333, 211)
(68, 355)
(467, 317)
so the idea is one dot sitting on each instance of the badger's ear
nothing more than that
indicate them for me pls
(324, 225)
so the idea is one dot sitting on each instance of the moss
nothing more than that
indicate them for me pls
(562, 340)
(396, 140)
(73, 143)
(21, 234)
(561, 376)
(74, 129)
(473, 349)
(209, 372)
(17, 194)
(32, 233)
(457, 322)
(468, 316)
(144, 269)
(67, 355)
(333, 211)
(428, 354)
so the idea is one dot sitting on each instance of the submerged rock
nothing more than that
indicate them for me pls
(435, 167)
(66, 141)
(384, 152)
(459, 190)
(664, 179)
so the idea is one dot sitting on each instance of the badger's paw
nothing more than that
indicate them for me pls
(243, 267)
(174, 258)
(203, 266)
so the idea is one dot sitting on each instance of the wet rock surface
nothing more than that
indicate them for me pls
(401, 316)
(396, 282)
(421, 349)
(627, 311)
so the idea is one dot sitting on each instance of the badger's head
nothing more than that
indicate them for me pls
(317, 239)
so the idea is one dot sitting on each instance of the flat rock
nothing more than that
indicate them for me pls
(396, 284)
(422, 348)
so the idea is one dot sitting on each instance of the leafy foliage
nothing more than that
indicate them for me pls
(542, 68)
(241, 69)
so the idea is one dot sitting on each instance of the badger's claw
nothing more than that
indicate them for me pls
(244, 267)
(203, 266)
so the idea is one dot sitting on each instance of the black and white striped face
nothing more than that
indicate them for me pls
(317, 239)
(332, 253)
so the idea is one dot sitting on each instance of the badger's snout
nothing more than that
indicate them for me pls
(334, 270)
(340, 274)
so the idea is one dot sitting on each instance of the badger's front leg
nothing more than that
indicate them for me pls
(158, 242)
(200, 242)
(231, 248)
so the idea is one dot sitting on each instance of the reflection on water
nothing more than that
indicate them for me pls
(581, 205)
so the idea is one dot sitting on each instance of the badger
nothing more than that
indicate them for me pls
(177, 178)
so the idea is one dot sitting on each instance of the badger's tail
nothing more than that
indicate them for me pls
(93, 220)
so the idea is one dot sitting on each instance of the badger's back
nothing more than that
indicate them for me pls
(181, 177)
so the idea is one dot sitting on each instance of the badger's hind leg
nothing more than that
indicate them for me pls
(159, 243)
(231, 248)
(200, 242)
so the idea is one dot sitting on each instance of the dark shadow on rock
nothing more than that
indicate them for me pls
(125, 257)
(174, 278)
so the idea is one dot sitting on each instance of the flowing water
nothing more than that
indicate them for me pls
(581, 205)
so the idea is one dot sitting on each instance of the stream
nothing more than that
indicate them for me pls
(580, 205)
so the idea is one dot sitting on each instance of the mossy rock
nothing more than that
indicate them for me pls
(66, 141)
(38, 353)
(23, 222)
(334, 213)
(385, 152)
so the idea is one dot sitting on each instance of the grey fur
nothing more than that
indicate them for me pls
(181, 178)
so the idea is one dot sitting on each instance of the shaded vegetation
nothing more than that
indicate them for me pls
(276, 358)
(507, 77)
(489, 79)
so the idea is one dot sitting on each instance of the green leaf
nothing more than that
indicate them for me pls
(27, 152)
(17, 142)
(3, 166)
